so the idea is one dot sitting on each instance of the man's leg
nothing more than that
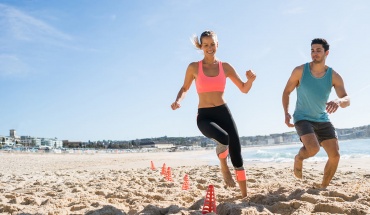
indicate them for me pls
(310, 148)
(332, 149)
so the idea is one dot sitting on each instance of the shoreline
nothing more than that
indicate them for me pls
(141, 159)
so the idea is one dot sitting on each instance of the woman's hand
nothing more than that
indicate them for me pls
(175, 105)
(251, 76)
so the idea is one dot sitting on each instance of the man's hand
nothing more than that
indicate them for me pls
(332, 106)
(287, 120)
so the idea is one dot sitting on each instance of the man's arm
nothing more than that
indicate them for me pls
(292, 83)
(343, 99)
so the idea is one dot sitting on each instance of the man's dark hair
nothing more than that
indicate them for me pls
(321, 41)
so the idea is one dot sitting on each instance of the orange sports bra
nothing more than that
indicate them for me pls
(205, 83)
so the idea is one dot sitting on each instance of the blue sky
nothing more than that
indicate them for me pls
(94, 70)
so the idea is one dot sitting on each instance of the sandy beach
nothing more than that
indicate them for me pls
(125, 184)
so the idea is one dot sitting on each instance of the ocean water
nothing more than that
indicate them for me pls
(358, 148)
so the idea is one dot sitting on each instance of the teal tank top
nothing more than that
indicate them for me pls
(312, 96)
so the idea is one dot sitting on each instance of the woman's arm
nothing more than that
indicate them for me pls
(234, 77)
(189, 77)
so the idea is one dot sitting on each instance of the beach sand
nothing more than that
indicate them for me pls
(97, 184)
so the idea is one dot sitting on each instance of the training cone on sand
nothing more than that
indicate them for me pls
(185, 184)
(169, 175)
(210, 201)
(164, 171)
(152, 165)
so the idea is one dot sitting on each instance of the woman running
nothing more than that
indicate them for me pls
(214, 118)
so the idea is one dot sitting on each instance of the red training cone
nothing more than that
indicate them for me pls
(152, 165)
(169, 175)
(185, 184)
(164, 172)
(209, 201)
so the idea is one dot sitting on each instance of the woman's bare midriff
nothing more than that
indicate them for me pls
(211, 99)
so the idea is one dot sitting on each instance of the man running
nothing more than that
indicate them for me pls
(314, 81)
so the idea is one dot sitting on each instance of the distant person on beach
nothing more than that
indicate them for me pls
(313, 82)
(214, 118)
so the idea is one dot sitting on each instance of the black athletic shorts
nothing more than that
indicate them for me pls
(322, 130)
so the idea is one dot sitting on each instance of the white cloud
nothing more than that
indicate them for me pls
(18, 29)
(22, 26)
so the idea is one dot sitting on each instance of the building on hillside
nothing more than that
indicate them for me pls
(72, 144)
(158, 145)
(278, 138)
(28, 141)
(270, 140)
(149, 144)
(165, 146)
(7, 141)
(13, 133)
(52, 143)
(36, 141)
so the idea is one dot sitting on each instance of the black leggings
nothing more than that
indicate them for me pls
(217, 123)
